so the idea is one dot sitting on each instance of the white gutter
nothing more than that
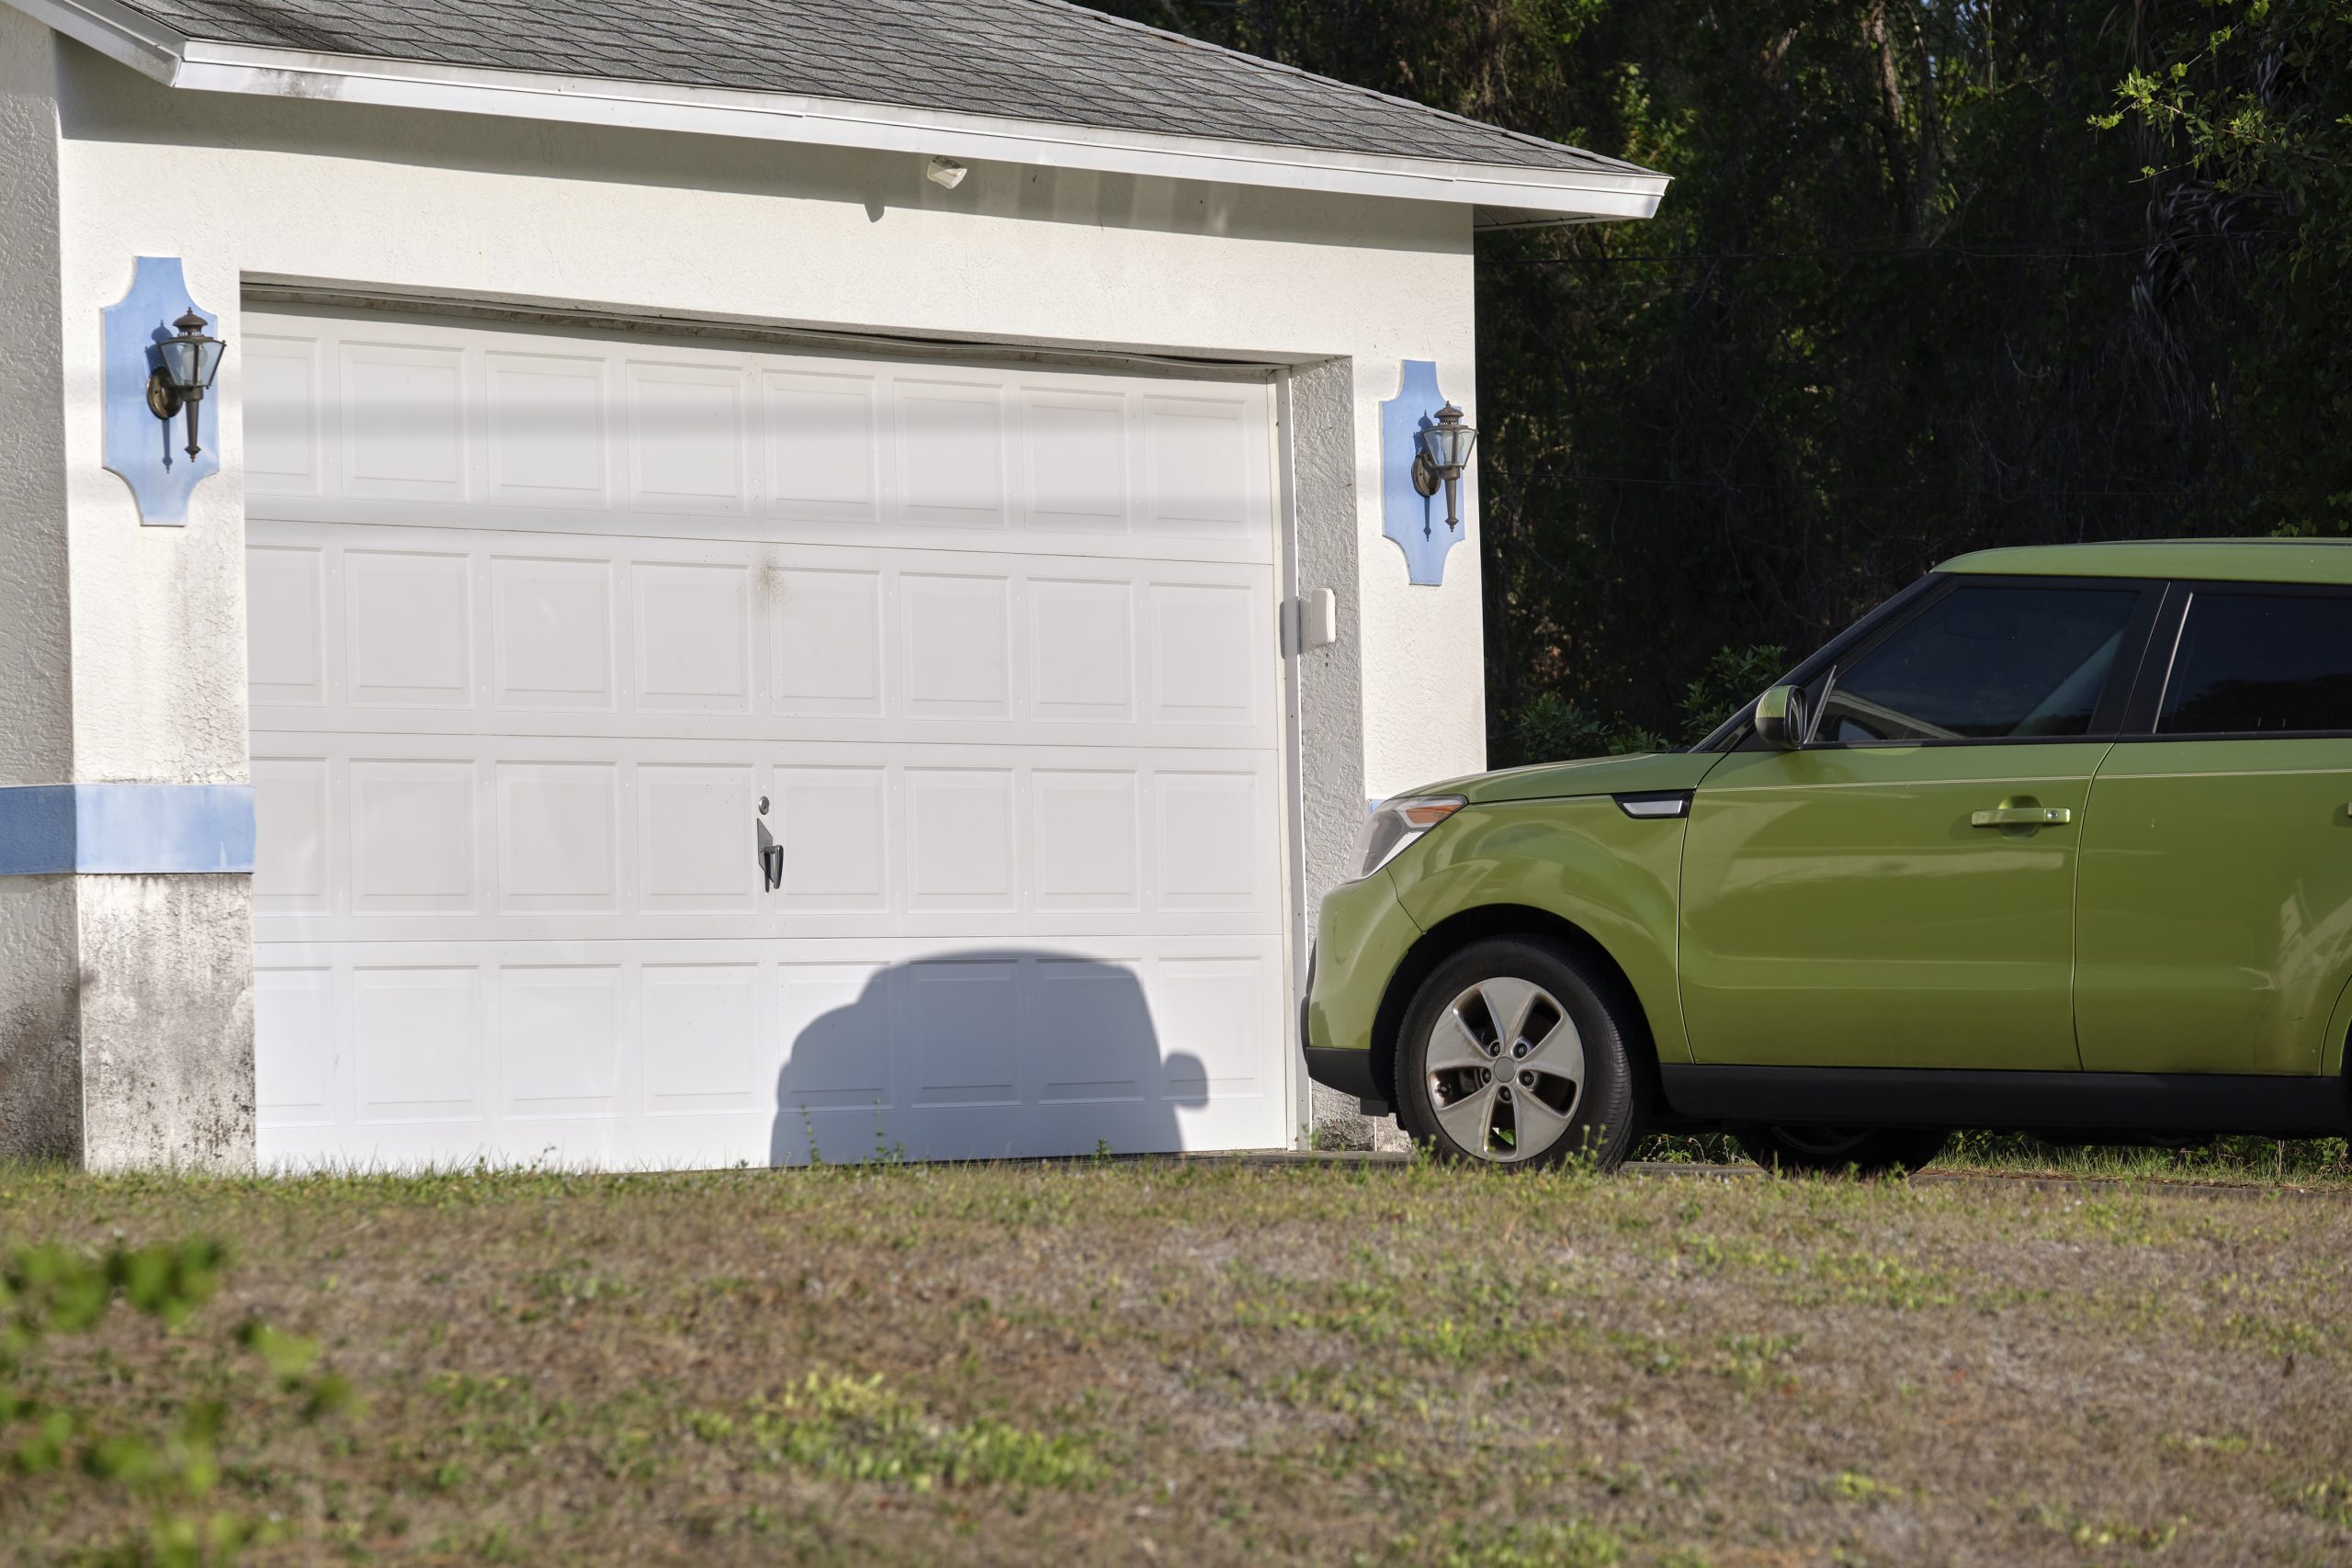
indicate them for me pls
(139, 42)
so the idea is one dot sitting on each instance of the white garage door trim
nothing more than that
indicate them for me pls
(1011, 632)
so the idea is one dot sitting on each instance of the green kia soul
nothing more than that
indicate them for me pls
(2056, 840)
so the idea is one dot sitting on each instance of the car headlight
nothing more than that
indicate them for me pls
(1395, 824)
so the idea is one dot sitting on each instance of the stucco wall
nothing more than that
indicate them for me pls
(40, 1019)
(167, 1019)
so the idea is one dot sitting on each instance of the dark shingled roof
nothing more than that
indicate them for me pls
(1033, 60)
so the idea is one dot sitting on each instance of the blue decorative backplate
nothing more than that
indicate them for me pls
(1415, 521)
(149, 453)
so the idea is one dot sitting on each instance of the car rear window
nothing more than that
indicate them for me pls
(2261, 663)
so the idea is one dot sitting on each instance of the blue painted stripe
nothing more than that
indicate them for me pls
(125, 829)
(36, 830)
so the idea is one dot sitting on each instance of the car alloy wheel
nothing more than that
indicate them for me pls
(1514, 1052)
(1506, 1069)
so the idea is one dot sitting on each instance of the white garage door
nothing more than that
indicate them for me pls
(538, 624)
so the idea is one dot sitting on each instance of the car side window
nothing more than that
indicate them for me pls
(1985, 661)
(2260, 663)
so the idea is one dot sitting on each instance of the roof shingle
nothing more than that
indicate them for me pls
(1030, 60)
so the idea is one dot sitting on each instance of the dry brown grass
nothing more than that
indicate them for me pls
(1219, 1362)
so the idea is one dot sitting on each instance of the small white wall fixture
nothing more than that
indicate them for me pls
(140, 447)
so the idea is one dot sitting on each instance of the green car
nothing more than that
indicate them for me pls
(2056, 840)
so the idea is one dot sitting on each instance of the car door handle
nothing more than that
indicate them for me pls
(2021, 816)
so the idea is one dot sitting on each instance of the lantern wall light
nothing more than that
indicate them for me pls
(1444, 454)
(190, 359)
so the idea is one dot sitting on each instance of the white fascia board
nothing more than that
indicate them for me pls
(780, 117)
(1532, 194)
(116, 31)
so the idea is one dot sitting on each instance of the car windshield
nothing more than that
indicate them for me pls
(1984, 661)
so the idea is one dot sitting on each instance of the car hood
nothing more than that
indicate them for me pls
(1593, 776)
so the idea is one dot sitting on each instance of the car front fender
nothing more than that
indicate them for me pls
(1614, 877)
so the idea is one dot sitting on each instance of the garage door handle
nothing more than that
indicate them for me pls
(771, 865)
(2021, 816)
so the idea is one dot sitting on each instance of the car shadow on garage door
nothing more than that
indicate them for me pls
(987, 1054)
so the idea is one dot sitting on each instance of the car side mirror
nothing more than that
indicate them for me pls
(1780, 721)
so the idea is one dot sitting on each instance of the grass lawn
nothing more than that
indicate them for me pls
(1210, 1362)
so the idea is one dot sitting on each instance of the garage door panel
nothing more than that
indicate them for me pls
(522, 1052)
(905, 457)
(559, 836)
(828, 639)
(286, 605)
(281, 386)
(958, 1038)
(313, 729)
(293, 874)
(414, 833)
(694, 838)
(539, 837)
(834, 1035)
(407, 628)
(1084, 825)
(1198, 465)
(824, 454)
(538, 622)
(552, 633)
(950, 452)
(418, 1043)
(1081, 650)
(1095, 1040)
(958, 660)
(562, 1033)
(833, 824)
(930, 839)
(1075, 449)
(546, 440)
(961, 826)
(410, 443)
(692, 642)
(685, 435)
(1036, 653)
(1210, 840)
(702, 1035)
(297, 1088)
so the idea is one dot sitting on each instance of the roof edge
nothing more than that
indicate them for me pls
(1529, 194)
(116, 31)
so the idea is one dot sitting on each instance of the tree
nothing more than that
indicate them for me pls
(1924, 282)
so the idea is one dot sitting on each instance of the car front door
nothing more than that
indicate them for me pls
(2216, 906)
(1901, 891)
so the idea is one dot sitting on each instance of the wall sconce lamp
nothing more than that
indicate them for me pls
(1445, 452)
(190, 361)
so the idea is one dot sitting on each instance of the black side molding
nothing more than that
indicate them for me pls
(1350, 1072)
(2285, 1107)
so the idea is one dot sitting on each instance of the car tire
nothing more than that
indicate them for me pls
(1873, 1151)
(1513, 1032)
